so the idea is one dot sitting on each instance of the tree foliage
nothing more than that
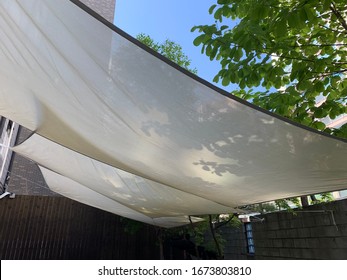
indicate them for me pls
(287, 56)
(169, 49)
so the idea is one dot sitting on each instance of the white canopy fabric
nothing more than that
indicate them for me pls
(72, 189)
(142, 195)
(121, 128)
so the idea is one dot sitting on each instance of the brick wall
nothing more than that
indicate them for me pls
(25, 175)
(105, 8)
(315, 232)
(235, 247)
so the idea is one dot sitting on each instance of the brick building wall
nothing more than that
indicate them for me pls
(105, 8)
(25, 175)
(235, 247)
(315, 232)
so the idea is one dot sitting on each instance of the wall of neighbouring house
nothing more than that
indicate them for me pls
(315, 232)
(102, 7)
(235, 247)
(25, 175)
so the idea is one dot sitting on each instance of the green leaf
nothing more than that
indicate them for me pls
(198, 40)
(280, 28)
(320, 113)
(326, 4)
(302, 16)
(210, 10)
(216, 79)
(194, 28)
(262, 13)
(218, 14)
(332, 114)
(213, 53)
(319, 86)
(242, 84)
(293, 20)
(238, 54)
(303, 85)
(226, 81)
(332, 95)
(310, 13)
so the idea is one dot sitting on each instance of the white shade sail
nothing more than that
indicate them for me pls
(74, 190)
(142, 195)
(121, 128)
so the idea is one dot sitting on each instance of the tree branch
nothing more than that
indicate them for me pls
(331, 73)
(328, 28)
(214, 237)
(225, 222)
(271, 53)
(338, 15)
(319, 45)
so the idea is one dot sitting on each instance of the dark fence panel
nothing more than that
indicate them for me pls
(44, 227)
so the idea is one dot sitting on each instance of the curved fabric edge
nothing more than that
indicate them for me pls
(78, 192)
(73, 190)
(139, 194)
(193, 76)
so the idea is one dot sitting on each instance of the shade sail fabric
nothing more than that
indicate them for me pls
(142, 195)
(109, 104)
(74, 190)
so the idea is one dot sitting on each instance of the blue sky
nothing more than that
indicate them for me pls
(170, 19)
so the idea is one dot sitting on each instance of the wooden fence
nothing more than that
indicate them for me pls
(46, 227)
